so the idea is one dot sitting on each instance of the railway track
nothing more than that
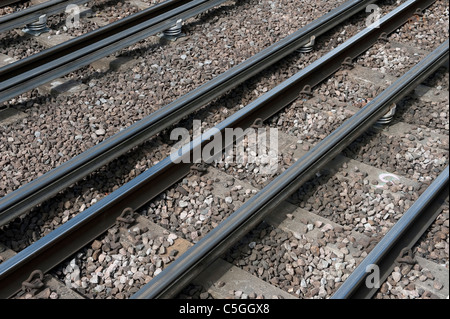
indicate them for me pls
(81, 230)
(163, 118)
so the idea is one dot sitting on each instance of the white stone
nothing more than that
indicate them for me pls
(94, 279)
(183, 203)
(100, 132)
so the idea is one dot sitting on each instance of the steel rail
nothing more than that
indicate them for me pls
(86, 226)
(38, 69)
(26, 197)
(21, 18)
(184, 269)
(403, 235)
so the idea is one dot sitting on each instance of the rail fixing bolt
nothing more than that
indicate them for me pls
(387, 118)
(174, 32)
(33, 282)
(309, 46)
(37, 27)
(126, 217)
